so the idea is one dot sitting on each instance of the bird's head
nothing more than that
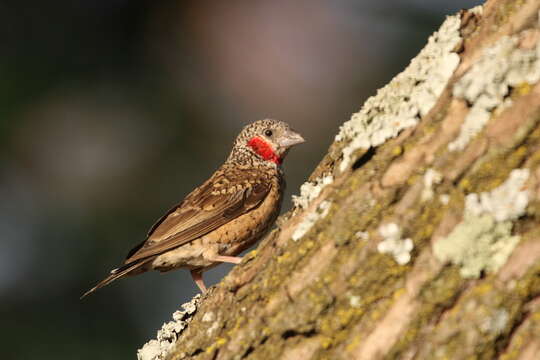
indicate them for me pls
(266, 141)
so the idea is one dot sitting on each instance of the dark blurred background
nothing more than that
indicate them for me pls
(111, 111)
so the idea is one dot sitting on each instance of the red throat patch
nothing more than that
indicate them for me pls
(264, 149)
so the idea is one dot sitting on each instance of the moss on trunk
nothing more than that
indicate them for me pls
(335, 292)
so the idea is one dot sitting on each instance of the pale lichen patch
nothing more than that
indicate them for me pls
(444, 199)
(393, 244)
(311, 190)
(409, 96)
(488, 83)
(208, 317)
(355, 301)
(478, 10)
(310, 219)
(506, 202)
(483, 241)
(431, 177)
(496, 323)
(362, 235)
(477, 244)
(158, 349)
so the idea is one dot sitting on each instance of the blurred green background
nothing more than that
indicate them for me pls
(112, 111)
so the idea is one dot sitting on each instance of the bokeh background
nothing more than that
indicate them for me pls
(111, 111)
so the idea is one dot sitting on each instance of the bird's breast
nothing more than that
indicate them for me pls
(245, 230)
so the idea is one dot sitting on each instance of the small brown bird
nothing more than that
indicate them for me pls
(222, 217)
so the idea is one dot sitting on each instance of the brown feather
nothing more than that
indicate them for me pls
(198, 215)
(116, 274)
(154, 227)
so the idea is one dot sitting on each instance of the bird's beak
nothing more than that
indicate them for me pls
(290, 138)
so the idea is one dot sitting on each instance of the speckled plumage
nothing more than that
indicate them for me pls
(225, 215)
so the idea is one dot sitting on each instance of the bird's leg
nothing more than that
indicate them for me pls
(197, 277)
(226, 259)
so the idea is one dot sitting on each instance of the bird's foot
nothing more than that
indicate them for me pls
(197, 277)
(227, 259)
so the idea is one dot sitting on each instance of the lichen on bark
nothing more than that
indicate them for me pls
(332, 294)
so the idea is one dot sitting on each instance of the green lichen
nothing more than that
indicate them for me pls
(522, 89)
(494, 168)
(371, 294)
(477, 244)
(479, 324)
(216, 345)
(505, 11)
(442, 290)
(436, 296)
(527, 288)
(522, 338)
(430, 216)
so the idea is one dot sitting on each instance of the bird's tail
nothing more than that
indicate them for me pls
(117, 274)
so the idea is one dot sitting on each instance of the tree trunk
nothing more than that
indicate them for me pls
(417, 236)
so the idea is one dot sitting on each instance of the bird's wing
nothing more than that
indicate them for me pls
(201, 212)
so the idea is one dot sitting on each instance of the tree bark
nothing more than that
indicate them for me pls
(418, 234)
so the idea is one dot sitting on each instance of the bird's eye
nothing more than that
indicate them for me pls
(268, 132)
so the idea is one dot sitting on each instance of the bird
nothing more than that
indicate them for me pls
(225, 215)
